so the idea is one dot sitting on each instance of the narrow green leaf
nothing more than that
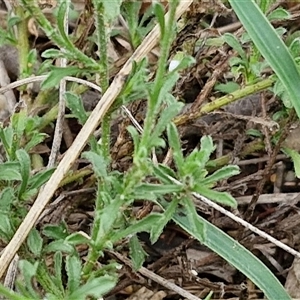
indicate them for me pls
(295, 156)
(166, 86)
(6, 198)
(166, 117)
(57, 232)
(107, 217)
(59, 245)
(24, 160)
(13, 20)
(52, 53)
(37, 180)
(192, 215)
(144, 224)
(6, 227)
(77, 238)
(223, 173)
(220, 197)
(111, 9)
(98, 162)
(58, 268)
(160, 15)
(29, 270)
(157, 228)
(137, 253)
(96, 287)
(174, 141)
(227, 88)
(234, 43)
(194, 166)
(271, 47)
(264, 5)
(135, 136)
(295, 47)
(48, 281)
(238, 256)
(35, 242)
(197, 229)
(19, 121)
(207, 146)
(164, 173)
(158, 189)
(278, 14)
(11, 295)
(131, 12)
(75, 104)
(10, 171)
(61, 13)
(56, 74)
(36, 139)
(73, 268)
(6, 137)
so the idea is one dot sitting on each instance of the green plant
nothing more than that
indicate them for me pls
(282, 59)
(17, 182)
(7, 35)
(250, 64)
(170, 188)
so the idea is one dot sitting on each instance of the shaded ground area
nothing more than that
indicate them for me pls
(247, 133)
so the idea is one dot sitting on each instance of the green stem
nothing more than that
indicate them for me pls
(106, 131)
(225, 100)
(153, 102)
(23, 44)
(102, 43)
(57, 38)
(140, 168)
(134, 176)
(76, 176)
(224, 160)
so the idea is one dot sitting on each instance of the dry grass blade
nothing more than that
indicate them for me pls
(79, 143)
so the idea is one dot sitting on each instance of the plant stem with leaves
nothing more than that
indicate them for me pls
(107, 216)
(22, 45)
(153, 101)
(58, 37)
(102, 43)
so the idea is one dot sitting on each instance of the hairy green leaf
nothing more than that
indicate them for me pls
(137, 253)
(73, 268)
(35, 242)
(96, 287)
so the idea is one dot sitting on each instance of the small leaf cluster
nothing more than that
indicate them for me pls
(249, 64)
(18, 182)
(64, 279)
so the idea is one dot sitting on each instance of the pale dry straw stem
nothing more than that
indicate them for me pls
(71, 155)
(158, 279)
(241, 221)
(73, 79)
(43, 77)
(58, 133)
(247, 225)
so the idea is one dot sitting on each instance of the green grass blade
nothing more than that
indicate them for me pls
(237, 255)
(271, 47)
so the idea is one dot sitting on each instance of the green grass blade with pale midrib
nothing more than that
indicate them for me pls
(235, 254)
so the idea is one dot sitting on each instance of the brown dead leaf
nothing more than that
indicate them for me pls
(144, 293)
(292, 283)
